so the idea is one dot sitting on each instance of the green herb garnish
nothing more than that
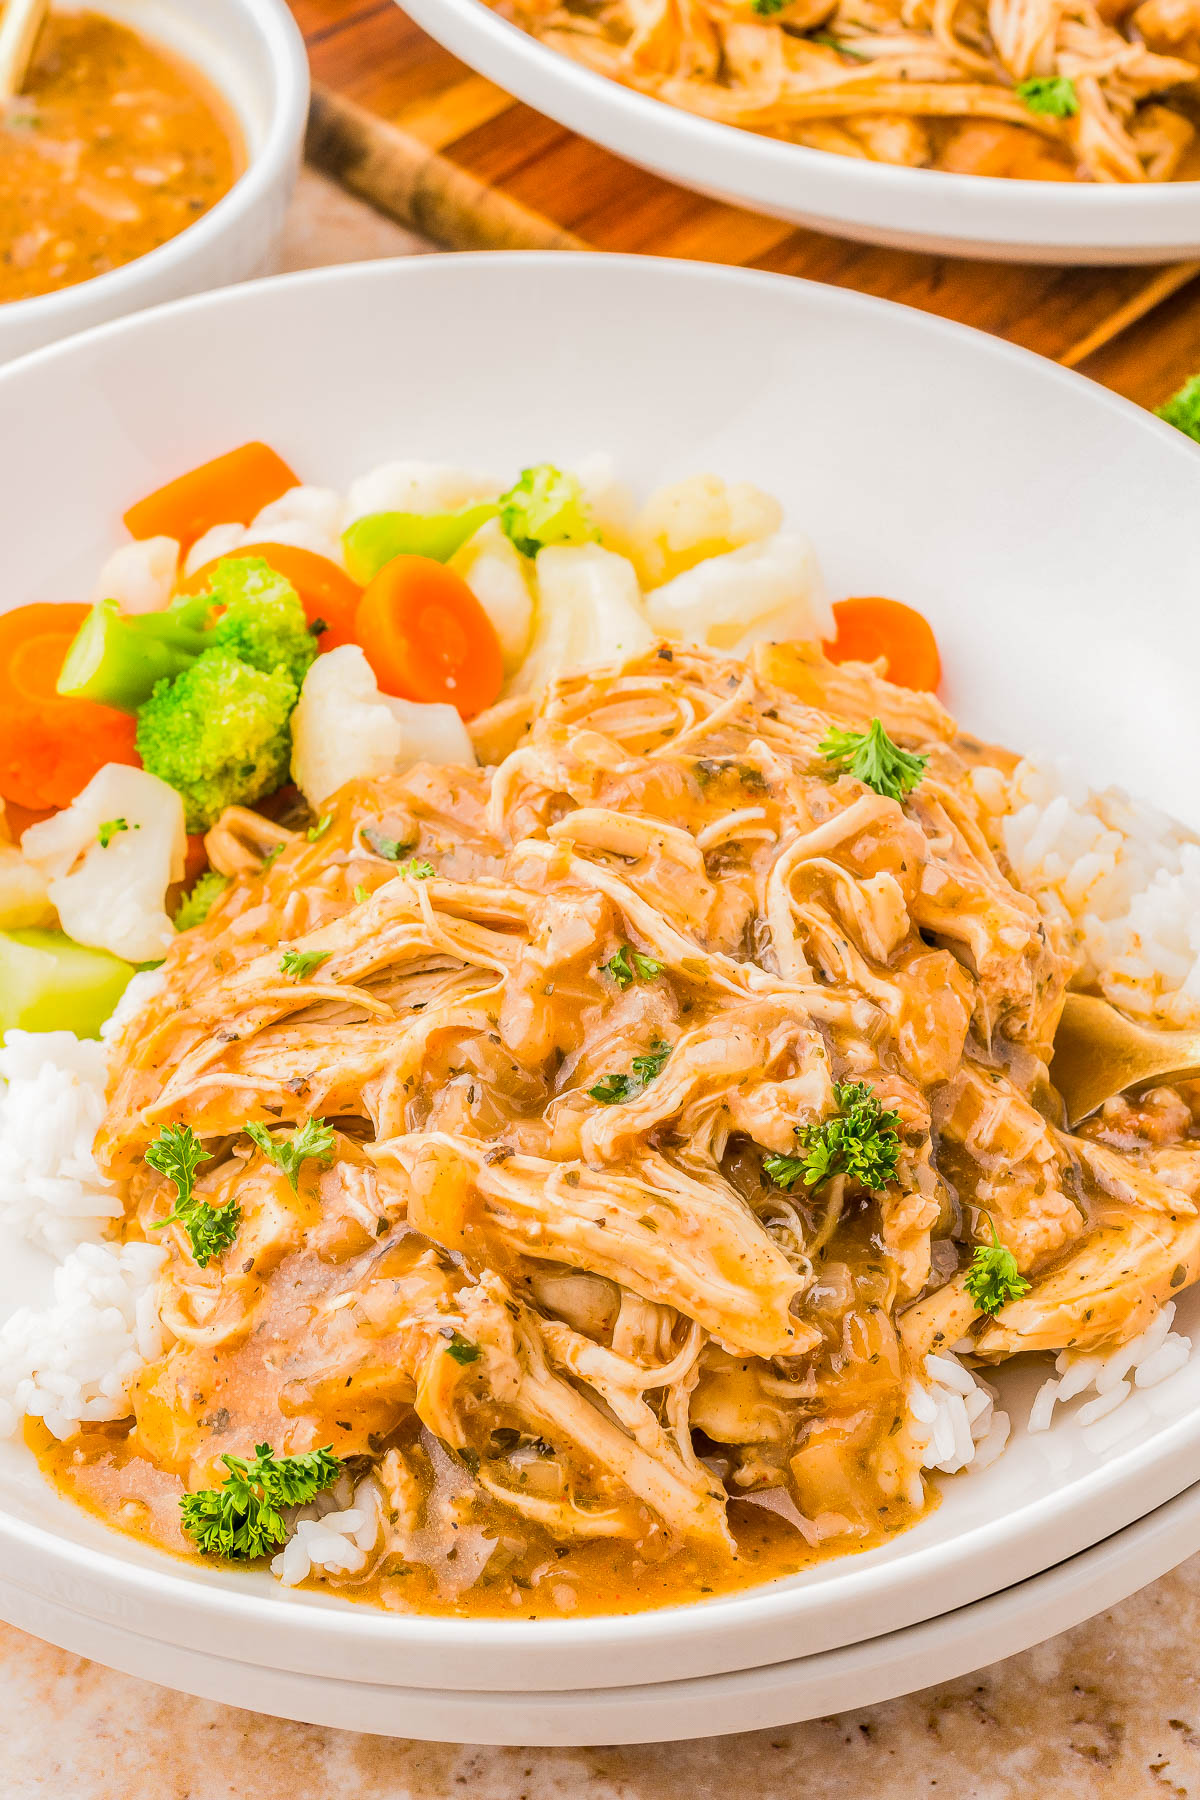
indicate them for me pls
(313, 1139)
(302, 962)
(615, 1090)
(391, 849)
(993, 1278)
(417, 868)
(872, 758)
(1183, 409)
(462, 1350)
(320, 828)
(629, 965)
(241, 1520)
(1054, 96)
(860, 1141)
(832, 43)
(177, 1153)
(360, 893)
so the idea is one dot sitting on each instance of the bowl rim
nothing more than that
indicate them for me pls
(264, 168)
(1155, 1472)
(714, 155)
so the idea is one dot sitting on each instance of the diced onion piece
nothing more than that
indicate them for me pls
(112, 896)
(763, 592)
(495, 573)
(418, 487)
(344, 729)
(684, 524)
(589, 611)
(140, 577)
(218, 541)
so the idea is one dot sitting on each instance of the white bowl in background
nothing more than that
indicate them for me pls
(879, 203)
(1045, 527)
(253, 54)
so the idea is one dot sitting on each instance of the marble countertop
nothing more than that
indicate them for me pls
(1109, 1711)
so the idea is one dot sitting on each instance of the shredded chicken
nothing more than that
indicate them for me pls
(545, 1283)
(922, 83)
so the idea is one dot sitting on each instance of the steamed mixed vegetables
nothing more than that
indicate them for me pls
(261, 642)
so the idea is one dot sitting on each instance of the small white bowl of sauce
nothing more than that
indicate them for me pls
(152, 154)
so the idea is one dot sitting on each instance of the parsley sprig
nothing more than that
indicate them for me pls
(417, 868)
(629, 965)
(861, 1141)
(1055, 96)
(615, 1090)
(241, 1519)
(301, 963)
(993, 1278)
(872, 758)
(177, 1153)
(313, 1140)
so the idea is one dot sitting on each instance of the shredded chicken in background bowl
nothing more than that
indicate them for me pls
(593, 1155)
(1029, 89)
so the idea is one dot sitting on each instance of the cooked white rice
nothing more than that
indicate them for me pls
(955, 1417)
(51, 1191)
(74, 1360)
(335, 1534)
(1112, 1375)
(1123, 878)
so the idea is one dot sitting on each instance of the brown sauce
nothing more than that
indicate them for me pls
(113, 148)
(102, 1472)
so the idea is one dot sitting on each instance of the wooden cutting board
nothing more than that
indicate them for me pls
(405, 125)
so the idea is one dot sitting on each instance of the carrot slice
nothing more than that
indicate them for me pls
(870, 626)
(232, 489)
(48, 753)
(33, 642)
(326, 592)
(50, 747)
(427, 638)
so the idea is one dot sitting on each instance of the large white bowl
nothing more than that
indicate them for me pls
(1047, 529)
(253, 54)
(912, 209)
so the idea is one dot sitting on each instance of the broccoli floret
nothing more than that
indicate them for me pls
(218, 734)
(263, 623)
(545, 507)
(193, 909)
(116, 660)
(1183, 409)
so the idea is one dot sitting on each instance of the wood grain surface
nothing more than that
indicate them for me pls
(405, 125)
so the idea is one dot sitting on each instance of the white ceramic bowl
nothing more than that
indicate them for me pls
(253, 54)
(913, 209)
(1046, 527)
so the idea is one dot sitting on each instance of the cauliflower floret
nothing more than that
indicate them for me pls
(609, 501)
(768, 591)
(109, 858)
(680, 526)
(218, 541)
(344, 729)
(589, 611)
(495, 573)
(311, 518)
(140, 576)
(416, 487)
